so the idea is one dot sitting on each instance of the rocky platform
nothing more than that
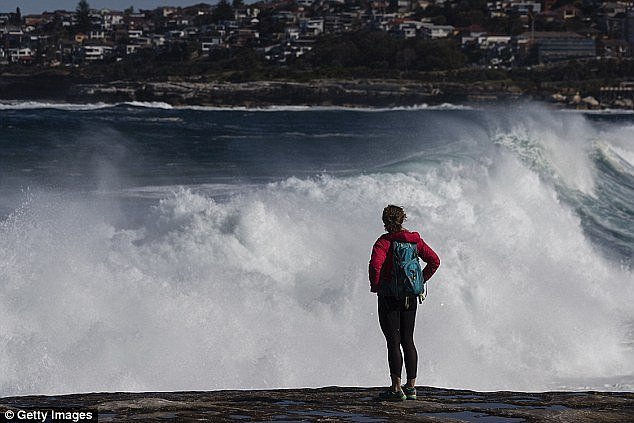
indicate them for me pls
(333, 404)
(176, 92)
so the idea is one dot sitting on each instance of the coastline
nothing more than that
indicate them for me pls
(355, 93)
(350, 404)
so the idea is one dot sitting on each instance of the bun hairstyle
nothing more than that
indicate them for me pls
(393, 218)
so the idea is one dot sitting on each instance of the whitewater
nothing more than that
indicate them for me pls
(147, 248)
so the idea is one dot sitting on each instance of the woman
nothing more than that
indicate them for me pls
(397, 315)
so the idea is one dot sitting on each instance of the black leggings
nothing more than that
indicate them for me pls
(397, 324)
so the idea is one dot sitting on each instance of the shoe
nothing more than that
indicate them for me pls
(410, 393)
(393, 396)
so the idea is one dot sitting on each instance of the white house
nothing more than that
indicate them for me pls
(409, 29)
(210, 44)
(312, 26)
(131, 48)
(157, 39)
(18, 54)
(93, 53)
(432, 31)
(487, 41)
(292, 34)
(97, 35)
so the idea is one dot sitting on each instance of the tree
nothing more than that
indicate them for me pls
(83, 16)
(237, 4)
(222, 12)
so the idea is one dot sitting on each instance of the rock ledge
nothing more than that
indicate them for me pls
(332, 404)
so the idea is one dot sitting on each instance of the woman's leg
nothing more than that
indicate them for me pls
(407, 321)
(389, 320)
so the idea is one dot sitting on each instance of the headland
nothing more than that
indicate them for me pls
(64, 87)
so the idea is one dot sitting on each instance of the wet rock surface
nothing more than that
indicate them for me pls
(340, 404)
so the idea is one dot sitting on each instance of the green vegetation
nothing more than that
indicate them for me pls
(83, 16)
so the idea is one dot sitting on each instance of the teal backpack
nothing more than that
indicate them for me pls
(407, 275)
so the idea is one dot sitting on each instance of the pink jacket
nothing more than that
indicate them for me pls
(381, 260)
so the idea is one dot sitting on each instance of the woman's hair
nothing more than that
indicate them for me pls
(393, 218)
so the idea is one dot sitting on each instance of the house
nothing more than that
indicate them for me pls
(33, 20)
(552, 46)
(403, 5)
(406, 28)
(138, 21)
(167, 11)
(614, 48)
(175, 34)
(292, 34)
(21, 55)
(469, 35)
(497, 9)
(431, 31)
(284, 16)
(96, 20)
(157, 39)
(382, 21)
(97, 52)
(253, 12)
(489, 41)
(208, 44)
(97, 35)
(131, 48)
(135, 48)
(612, 8)
(112, 19)
(191, 31)
(568, 12)
(312, 26)
(527, 9)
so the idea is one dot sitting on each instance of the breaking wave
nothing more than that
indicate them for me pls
(267, 286)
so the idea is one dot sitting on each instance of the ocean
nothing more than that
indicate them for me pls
(151, 248)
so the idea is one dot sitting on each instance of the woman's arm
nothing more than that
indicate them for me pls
(430, 257)
(379, 253)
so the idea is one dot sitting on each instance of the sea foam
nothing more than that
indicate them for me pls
(265, 286)
(269, 289)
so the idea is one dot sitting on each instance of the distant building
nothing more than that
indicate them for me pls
(94, 53)
(614, 48)
(553, 46)
(527, 8)
(21, 55)
(432, 31)
(312, 26)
